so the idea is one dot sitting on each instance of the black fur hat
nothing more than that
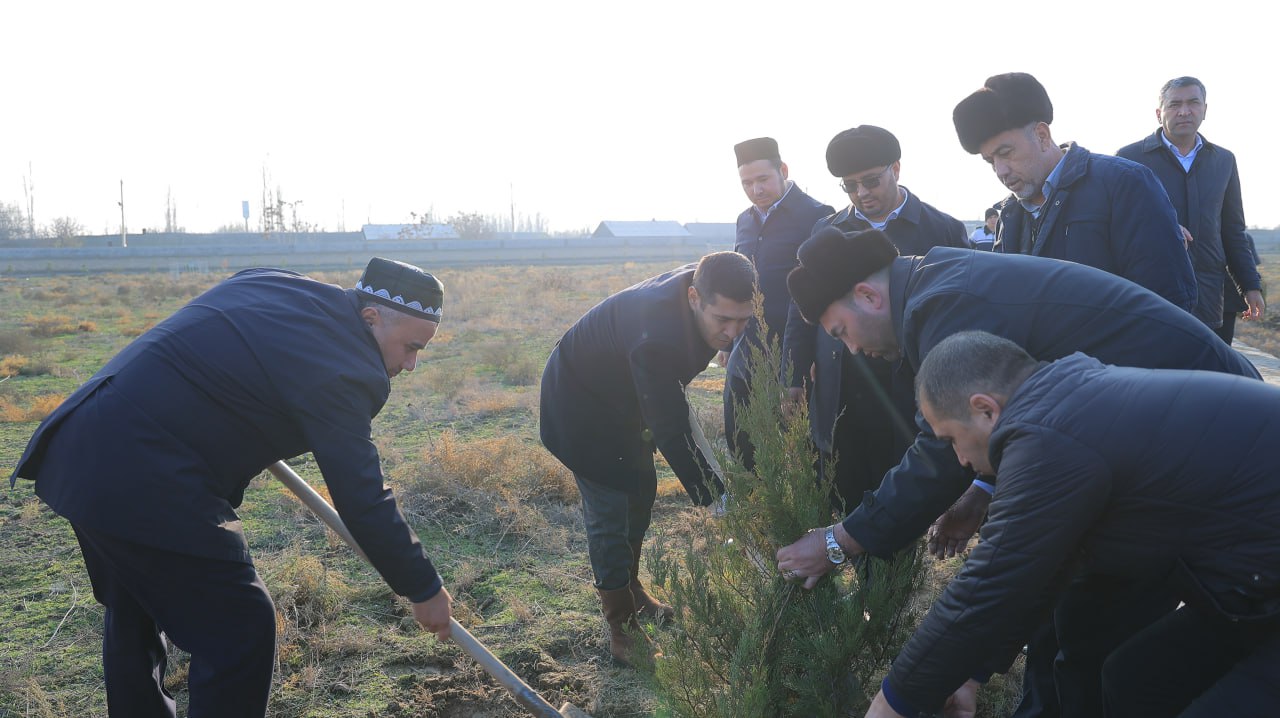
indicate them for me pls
(831, 263)
(1005, 101)
(861, 148)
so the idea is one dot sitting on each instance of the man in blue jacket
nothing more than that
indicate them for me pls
(1069, 203)
(149, 459)
(859, 411)
(860, 291)
(780, 217)
(1116, 471)
(613, 393)
(1203, 184)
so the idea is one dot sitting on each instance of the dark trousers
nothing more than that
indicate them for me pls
(1227, 331)
(872, 432)
(737, 392)
(1193, 664)
(614, 520)
(1092, 617)
(218, 611)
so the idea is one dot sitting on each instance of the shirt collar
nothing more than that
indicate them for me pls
(1190, 157)
(1046, 189)
(763, 215)
(891, 216)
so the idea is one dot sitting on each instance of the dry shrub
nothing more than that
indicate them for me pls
(87, 326)
(51, 325)
(43, 405)
(500, 483)
(13, 364)
(305, 592)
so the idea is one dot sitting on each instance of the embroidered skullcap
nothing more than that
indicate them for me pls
(403, 287)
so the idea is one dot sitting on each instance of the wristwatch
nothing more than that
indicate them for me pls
(835, 554)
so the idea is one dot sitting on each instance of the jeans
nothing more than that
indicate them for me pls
(614, 520)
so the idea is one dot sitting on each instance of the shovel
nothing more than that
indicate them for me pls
(519, 690)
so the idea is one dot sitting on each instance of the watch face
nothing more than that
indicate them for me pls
(835, 555)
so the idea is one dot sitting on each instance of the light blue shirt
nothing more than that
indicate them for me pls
(891, 216)
(1046, 189)
(763, 215)
(1177, 153)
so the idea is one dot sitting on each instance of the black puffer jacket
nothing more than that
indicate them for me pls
(1128, 472)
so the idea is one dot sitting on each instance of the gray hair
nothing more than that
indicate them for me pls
(1184, 81)
(970, 363)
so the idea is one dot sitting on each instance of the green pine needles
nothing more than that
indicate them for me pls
(747, 643)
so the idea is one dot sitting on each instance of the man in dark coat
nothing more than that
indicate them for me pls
(150, 457)
(780, 217)
(1119, 471)
(859, 413)
(613, 392)
(877, 303)
(1069, 203)
(1203, 184)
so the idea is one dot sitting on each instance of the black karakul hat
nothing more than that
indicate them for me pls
(831, 263)
(1005, 102)
(403, 287)
(861, 148)
(761, 148)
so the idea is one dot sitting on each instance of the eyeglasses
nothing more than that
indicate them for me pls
(851, 186)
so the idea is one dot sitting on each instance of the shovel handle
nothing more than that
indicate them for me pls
(519, 690)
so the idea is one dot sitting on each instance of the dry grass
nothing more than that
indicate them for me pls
(501, 485)
(36, 410)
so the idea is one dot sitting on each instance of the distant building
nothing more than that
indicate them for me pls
(392, 232)
(641, 230)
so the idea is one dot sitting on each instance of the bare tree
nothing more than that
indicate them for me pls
(171, 213)
(12, 224)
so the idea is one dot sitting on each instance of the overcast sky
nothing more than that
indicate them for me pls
(581, 111)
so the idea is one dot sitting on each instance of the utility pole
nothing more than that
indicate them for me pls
(124, 236)
(29, 189)
(511, 188)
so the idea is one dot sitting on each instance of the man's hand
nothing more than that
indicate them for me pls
(807, 557)
(1187, 239)
(434, 613)
(951, 532)
(880, 708)
(1257, 305)
(722, 358)
(792, 401)
(964, 702)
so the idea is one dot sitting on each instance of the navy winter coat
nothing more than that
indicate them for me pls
(1048, 307)
(1136, 473)
(917, 229)
(1107, 213)
(1207, 200)
(613, 388)
(159, 445)
(772, 249)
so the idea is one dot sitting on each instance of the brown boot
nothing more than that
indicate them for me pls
(649, 608)
(624, 632)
